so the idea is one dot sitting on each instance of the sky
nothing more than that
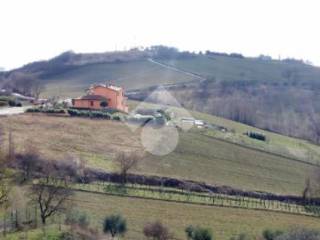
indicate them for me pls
(41, 29)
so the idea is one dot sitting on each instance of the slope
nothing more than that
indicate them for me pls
(131, 75)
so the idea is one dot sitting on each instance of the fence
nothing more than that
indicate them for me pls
(211, 199)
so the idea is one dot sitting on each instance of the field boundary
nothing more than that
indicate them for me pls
(189, 202)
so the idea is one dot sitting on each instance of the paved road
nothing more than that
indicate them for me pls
(11, 110)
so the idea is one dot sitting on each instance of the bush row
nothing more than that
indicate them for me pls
(90, 114)
(256, 135)
(45, 110)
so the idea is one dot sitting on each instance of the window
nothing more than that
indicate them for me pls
(91, 103)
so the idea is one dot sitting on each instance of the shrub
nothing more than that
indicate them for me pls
(88, 113)
(256, 135)
(12, 103)
(46, 110)
(156, 231)
(32, 110)
(198, 233)
(104, 104)
(3, 103)
(116, 118)
(78, 218)
(115, 225)
(271, 234)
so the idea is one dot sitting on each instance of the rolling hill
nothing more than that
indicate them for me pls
(269, 94)
(280, 165)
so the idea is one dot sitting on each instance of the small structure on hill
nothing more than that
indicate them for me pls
(102, 96)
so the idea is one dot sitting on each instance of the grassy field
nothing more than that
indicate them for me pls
(142, 74)
(276, 143)
(224, 222)
(198, 155)
(132, 75)
(234, 69)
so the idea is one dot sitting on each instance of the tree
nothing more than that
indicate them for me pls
(115, 225)
(312, 185)
(126, 162)
(156, 231)
(198, 233)
(51, 197)
(28, 161)
(37, 87)
(104, 104)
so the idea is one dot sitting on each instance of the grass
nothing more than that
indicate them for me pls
(52, 233)
(212, 199)
(234, 69)
(276, 143)
(225, 222)
(131, 75)
(197, 157)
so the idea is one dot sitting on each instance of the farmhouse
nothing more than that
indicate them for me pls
(102, 96)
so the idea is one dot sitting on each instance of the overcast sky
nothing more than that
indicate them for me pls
(40, 29)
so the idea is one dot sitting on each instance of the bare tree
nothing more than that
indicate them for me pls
(315, 126)
(127, 162)
(51, 197)
(312, 185)
(29, 161)
(37, 88)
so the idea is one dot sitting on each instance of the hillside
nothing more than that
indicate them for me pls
(132, 75)
(225, 222)
(280, 166)
(268, 94)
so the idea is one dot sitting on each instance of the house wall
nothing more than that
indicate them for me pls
(80, 103)
(116, 99)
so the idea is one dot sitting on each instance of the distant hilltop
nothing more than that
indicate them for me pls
(2, 69)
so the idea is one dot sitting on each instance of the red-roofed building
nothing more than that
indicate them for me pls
(102, 96)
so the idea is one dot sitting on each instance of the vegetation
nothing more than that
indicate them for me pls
(115, 225)
(238, 89)
(50, 199)
(126, 162)
(198, 233)
(258, 136)
(269, 234)
(218, 162)
(46, 110)
(89, 113)
(156, 231)
(9, 101)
